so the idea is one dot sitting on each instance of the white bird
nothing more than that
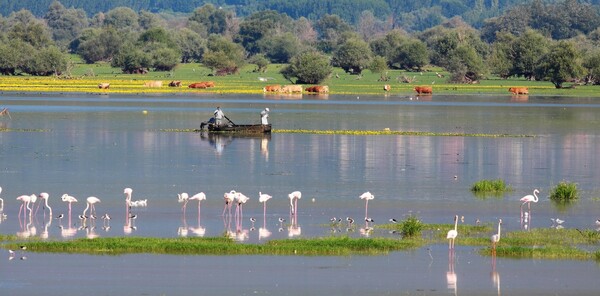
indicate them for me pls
(294, 197)
(229, 197)
(367, 196)
(453, 233)
(263, 197)
(25, 199)
(183, 198)
(69, 199)
(496, 237)
(557, 221)
(528, 199)
(1, 201)
(91, 205)
(44, 196)
(199, 197)
(241, 200)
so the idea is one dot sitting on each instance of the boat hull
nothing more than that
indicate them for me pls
(237, 128)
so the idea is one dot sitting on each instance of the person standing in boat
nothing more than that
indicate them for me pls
(264, 116)
(219, 115)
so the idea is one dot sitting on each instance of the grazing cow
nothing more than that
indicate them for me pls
(175, 83)
(156, 83)
(425, 90)
(209, 83)
(272, 88)
(104, 85)
(291, 89)
(320, 89)
(387, 87)
(519, 90)
(198, 85)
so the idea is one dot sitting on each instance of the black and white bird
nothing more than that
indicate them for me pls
(393, 220)
(350, 221)
(369, 219)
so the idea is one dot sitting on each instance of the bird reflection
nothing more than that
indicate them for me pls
(451, 278)
(263, 233)
(183, 229)
(495, 275)
(67, 232)
(526, 220)
(294, 230)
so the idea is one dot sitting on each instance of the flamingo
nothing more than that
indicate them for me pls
(44, 196)
(199, 197)
(241, 200)
(263, 197)
(1, 201)
(496, 237)
(91, 201)
(367, 196)
(527, 199)
(229, 197)
(294, 197)
(25, 199)
(69, 199)
(452, 233)
(183, 198)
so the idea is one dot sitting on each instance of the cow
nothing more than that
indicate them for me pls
(272, 88)
(104, 85)
(519, 90)
(209, 83)
(175, 83)
(387, 87)
(425, 90)
(291, 89)
(320, 89)
(198, 85)
(156, 83)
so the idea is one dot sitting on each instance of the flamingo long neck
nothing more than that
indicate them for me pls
(86, 208)
(49, 208)
(499, 228)
(535, 197)
(455, 223)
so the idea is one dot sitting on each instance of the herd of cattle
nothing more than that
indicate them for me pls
(293, 88)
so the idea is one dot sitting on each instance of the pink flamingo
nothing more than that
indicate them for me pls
(367, 196)
(452, 234)
(229, 198)
(262, 197)
(241, 200)
(44, 196)
(527, 199)
(26, 200)
(183, 198)
(91, 205)
(294, 197)
(199, 197)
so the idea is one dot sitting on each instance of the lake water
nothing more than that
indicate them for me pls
(97, 145)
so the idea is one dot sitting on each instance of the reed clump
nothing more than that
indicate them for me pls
(564, 192)
(497, 186)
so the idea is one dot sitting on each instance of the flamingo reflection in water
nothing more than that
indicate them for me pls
(199, 230)
(528, 199)
(44, 196)
(451, 278)
(70, 200)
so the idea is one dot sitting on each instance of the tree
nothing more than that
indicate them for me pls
(353, 56)
(411, 54)
(591, 63)
(132, 60)
(223, 56)
(260, 61)
(191, 45)
(466, 65)
(526, 53)
(216, 21)
(310, 67)
(46, 61)
(99, 44)
(164, 58)
(330, 28)
(65, 24)
(259, 25)
(122, 18)
(561, 63)
(280, 48)
(500, 60)
(148, 20)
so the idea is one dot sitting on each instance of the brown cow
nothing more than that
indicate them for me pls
(424, 90)
(320, 89)
(175, 83)
(198, 85)
(291, 89)
(104, 85)
(272, 88)
(209, 83)
(387, 87)
(519, 90)
(156, 83)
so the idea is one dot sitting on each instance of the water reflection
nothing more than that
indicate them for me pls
(495, 275)
(451, 278)
(221, 140)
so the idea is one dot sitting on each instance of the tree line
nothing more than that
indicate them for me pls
(555, 42)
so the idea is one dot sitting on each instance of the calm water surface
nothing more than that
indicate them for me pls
(98, 145)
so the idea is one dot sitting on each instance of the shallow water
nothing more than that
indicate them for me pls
(98, 145)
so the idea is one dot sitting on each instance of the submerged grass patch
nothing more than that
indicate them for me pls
(328, 246)
(497, 186)
(390, 132)
(564, 192)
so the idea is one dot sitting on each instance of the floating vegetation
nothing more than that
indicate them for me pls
(328, 246)
(393, 133)
(564, 192)
(22, 130)
(497, 187)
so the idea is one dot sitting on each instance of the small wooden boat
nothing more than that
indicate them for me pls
(236, 128)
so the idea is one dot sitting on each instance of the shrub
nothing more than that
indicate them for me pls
(412, 227)
(564, 191)
(490, 186)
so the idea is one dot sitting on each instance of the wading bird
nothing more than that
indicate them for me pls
(44, 196)
(294, 197)
(199, 197)
(496, 237)
(528, 199)
(367, 196)
(263, 197)
(183, 198)
(452, 234)
(91, 205)
(229, 197)
(25, 200)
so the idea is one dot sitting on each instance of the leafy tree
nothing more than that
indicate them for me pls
(591, 63)
(216, 21)
(13, 55)
(65, 24)
(353, 56)
(561, 63)
(148, 20)
(412, 54)
(260, 61)
(100, 44)
(330, 28)
(309, 67)
(280, 48)
(164, 58)
(259, 25)
(191, 45)
(466, 65)
(122, 18)
(32, 31)
(223, 56)
(378, 64)
(46, 61)
(132, 60)
(526, 53)
(304, 30)
(501, 57)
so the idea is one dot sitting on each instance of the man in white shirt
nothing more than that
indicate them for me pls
(264, 116)
(219, 115)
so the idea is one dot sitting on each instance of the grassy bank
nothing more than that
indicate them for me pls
(85, 78)
(570, 244)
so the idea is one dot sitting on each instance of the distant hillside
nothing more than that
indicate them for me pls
(473, 11)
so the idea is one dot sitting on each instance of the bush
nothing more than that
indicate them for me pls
(490, 186)
(412, 227)
(564, 191)
(309, 67)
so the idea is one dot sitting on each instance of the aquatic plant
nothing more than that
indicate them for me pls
(390, 132)
(564, 192)
(490, 186)
(411, 227)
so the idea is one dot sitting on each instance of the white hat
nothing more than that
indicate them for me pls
(267, 109)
